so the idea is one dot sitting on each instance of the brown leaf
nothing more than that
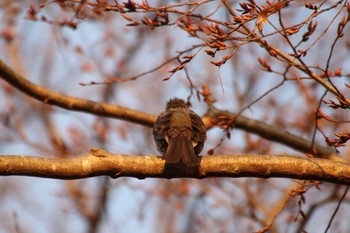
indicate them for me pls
(338, 72)
(125, 16)
(210, 151)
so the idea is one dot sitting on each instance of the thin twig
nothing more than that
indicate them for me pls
(336, 209)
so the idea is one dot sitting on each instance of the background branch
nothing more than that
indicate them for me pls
(272, 133)
(108, 110)
(71, 103)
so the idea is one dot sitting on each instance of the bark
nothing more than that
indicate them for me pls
(101, 163)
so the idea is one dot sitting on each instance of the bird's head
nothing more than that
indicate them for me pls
(176, 103)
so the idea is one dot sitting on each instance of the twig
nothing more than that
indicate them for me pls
(336, 209)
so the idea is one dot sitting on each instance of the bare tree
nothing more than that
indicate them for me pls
(83, 82)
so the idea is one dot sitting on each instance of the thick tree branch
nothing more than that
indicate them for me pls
(71, 103)
(101, 163)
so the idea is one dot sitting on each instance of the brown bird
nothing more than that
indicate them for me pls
(179, 133)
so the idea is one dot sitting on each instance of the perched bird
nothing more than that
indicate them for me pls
(179, 133)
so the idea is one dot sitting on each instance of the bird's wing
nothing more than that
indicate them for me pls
(199, 132)
(181, 147)
(160, 130)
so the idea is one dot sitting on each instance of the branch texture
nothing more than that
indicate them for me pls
(101, 163)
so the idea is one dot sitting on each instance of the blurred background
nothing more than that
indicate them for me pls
(121, 53)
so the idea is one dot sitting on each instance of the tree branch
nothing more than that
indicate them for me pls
(48, 96)
(272, 133)
(101, 163)
(290, 60)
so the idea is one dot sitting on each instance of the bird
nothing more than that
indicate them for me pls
(179, 133)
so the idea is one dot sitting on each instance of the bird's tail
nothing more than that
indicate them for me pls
(181, 147)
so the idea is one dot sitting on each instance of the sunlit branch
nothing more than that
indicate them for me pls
(101, 163)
